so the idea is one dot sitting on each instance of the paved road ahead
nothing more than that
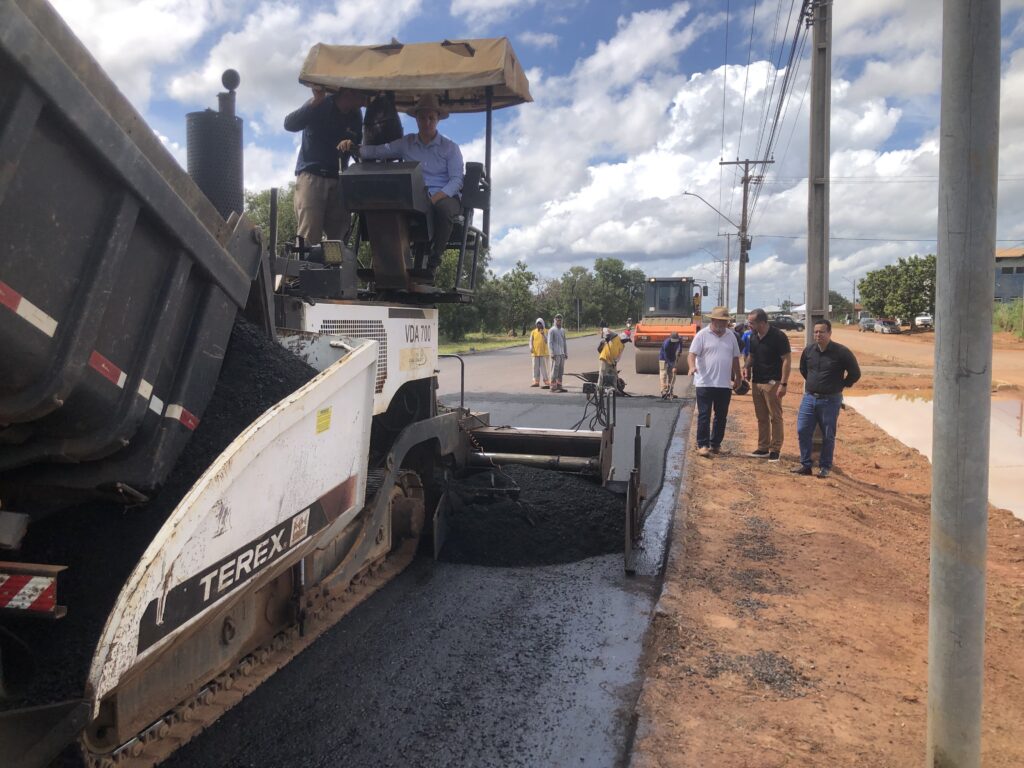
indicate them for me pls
(454, 665)
(510, 370)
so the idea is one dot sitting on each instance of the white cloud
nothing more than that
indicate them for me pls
(539, 39)
(270, 70)
(486, 13)
(265, 168)
(129, 39)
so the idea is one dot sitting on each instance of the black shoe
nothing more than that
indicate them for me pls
(773, 456)
(759, 454)
(801, 470)
(823, 472)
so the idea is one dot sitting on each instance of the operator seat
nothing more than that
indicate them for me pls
(392, 203)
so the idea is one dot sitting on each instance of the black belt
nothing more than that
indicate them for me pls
(824, 394)
(320, 172)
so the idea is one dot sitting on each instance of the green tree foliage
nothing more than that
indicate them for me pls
(517, 305)
(257, 208)
(904, 290)
(456, 320)
(841, 306)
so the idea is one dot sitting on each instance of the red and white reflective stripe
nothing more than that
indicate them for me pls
(179, 413)
(26, 310)
(28, 593)
(107, 369)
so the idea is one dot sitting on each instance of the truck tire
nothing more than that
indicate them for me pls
(646, 360)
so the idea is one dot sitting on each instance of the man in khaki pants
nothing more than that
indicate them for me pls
(325, 120)
(767, 368)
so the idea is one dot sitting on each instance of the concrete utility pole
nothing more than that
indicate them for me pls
(818, 175)
(741, 277)
(968, 172)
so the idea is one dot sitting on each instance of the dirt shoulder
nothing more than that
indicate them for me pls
(793, 625)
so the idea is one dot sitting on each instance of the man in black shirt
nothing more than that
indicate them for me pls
(325, 121)
(767, 368)
(828, 368)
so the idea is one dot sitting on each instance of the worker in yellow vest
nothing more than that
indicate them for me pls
(539, 351)
(608, 352)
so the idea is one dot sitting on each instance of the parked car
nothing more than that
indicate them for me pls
(886, 326)
(923, 321)
(786, 323)
(866, 324)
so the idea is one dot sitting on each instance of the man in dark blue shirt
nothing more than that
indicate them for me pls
(670, 349)
(828, 368)
(325, 121)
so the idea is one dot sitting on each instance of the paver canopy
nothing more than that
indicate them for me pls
(457, 71)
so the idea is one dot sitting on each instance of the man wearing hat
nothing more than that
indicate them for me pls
(670, 349)
(539, 353)
(325, 121)
(440, 161)
(559, 353)
(714, 360)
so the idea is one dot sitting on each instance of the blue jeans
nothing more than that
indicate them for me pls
(821, 411)
(708, 398)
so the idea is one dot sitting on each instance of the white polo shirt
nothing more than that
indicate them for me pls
(714, 358)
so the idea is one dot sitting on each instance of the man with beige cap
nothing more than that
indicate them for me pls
(714, 360)
(440, 161)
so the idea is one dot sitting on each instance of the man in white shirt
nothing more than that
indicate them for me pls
(714, 360)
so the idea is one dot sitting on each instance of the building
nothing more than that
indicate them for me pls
(1009, 274)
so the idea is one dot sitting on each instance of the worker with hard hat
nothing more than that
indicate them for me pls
(539, 351)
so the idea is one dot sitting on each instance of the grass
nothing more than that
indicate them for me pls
(482, 342)
(1009, 316)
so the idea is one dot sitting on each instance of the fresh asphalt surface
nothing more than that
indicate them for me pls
(456, 665)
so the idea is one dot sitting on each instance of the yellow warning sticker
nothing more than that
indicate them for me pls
(323, 420)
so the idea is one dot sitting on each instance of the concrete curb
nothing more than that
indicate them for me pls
(673, 563)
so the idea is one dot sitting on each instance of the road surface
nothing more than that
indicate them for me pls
(455, 665)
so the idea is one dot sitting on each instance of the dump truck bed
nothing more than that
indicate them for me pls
(119, 281)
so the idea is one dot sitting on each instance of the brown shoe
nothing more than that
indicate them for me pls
(535, 384)
(704, 451)
(720, 451)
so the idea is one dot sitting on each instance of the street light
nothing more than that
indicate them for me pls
(741, 281)
(709, 205)
(721, 276)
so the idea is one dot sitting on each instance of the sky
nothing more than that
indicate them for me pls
(634, 103)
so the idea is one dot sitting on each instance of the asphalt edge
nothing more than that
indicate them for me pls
(681, 489)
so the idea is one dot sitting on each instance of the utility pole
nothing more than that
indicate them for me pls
(741, 279)
(818, 175)
(961, 413)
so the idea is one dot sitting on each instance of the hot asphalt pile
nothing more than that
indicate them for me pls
(557, 518)
(101, 543)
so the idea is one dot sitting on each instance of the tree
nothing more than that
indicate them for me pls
(517, 306)
(904, 290)
(455, 320)
(841, 306)
(257, 208)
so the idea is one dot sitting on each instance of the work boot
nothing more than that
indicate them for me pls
(720, 450)
(801, 470)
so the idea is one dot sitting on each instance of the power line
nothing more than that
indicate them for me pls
(746, 78)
